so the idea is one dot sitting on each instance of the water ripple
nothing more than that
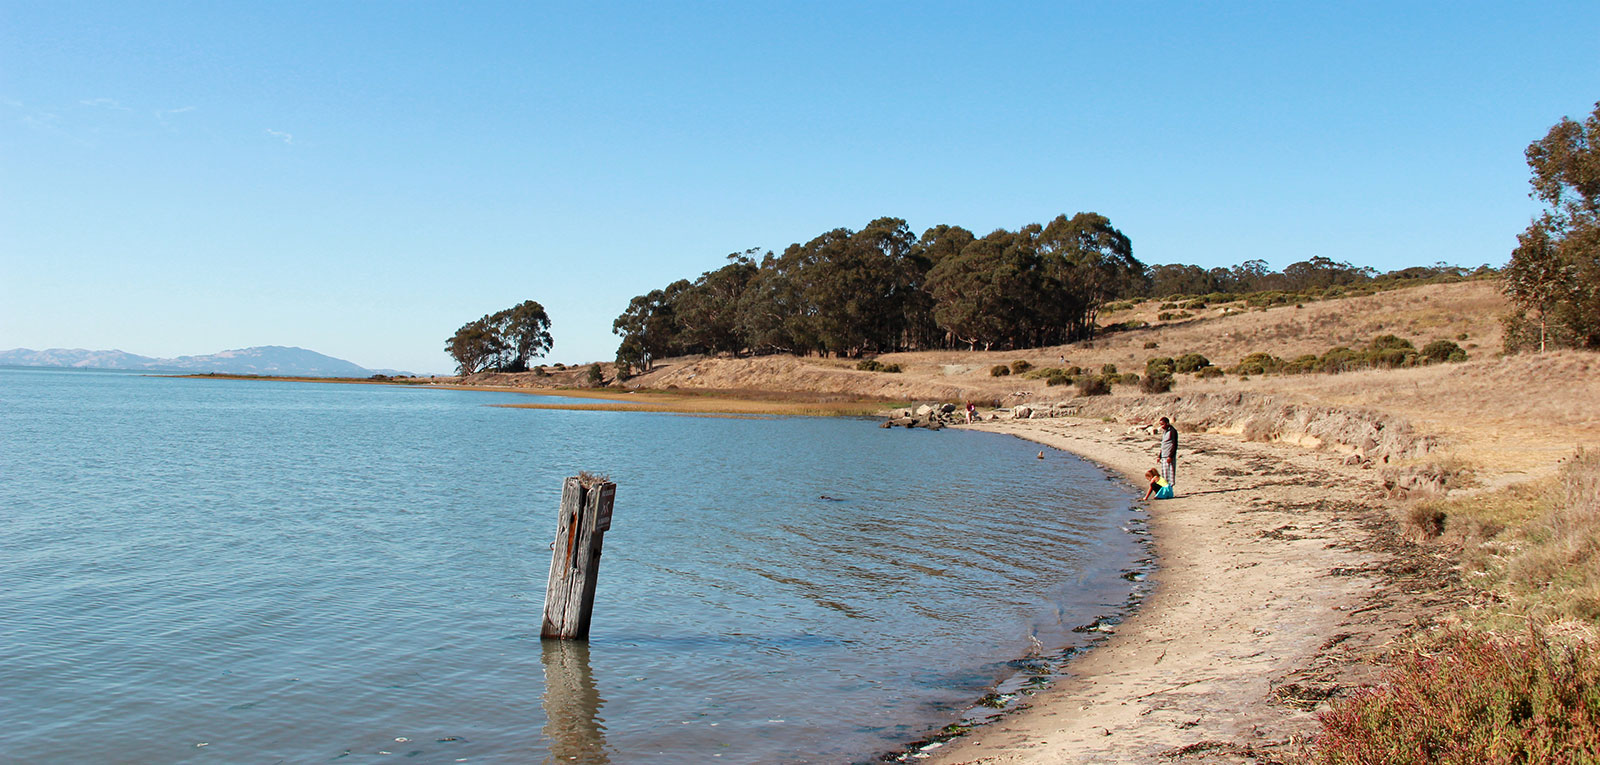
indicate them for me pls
(204, 570)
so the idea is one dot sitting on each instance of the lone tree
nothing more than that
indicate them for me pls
(1553, 279)
(504, 341)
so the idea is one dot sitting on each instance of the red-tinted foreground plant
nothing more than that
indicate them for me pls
(1473, 699)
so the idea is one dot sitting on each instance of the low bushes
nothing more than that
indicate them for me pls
(999, 370)
(873, 365)
(1019, 366)
(1156, 383)
(1094, 386)
(1052, 375)
(1190, 362)
(1473, 698)
(1383, 352)
(1443, 350)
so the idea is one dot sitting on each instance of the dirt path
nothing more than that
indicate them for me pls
(1277, 580)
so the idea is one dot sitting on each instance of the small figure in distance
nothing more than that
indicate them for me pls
(1168, 461)
(1159, 488)
(972, 412)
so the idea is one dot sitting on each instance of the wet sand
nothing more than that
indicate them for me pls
(1271, 593)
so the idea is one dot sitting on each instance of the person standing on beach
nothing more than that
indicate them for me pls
(1169, 453)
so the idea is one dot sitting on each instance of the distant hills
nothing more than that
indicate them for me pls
(262, 360)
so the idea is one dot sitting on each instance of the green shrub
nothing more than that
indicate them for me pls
(1206, 373)
(1019, 366)
(1156, 383)
(1269, 298)
(1340, 359)
(596, 376)
(868, 365)
(1165, 306)
(1160, 365)
(1148, 344)
(1073, 371)
(1391, 357)
(1058, 379)
(1258, 363)
(1303, 364)
(1194, 305)
(1191, 362)
(1388, 342)
(1108, 369)
(1473, 698)
(893, 369)
(1129, 378)
(538, 371)
(1094, 386)
(1441, 350)
(999, 370)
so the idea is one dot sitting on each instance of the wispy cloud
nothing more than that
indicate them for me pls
(105, 103)
(162, 114)
(287, 138)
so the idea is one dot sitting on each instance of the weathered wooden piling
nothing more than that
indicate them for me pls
(581, 526)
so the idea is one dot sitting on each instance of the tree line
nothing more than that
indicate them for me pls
(882, 289)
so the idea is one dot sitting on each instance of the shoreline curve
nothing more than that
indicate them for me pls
(1248, 597)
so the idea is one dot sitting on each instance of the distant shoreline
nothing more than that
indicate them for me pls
(627, 400)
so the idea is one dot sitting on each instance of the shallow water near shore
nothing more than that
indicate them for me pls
(255, 571)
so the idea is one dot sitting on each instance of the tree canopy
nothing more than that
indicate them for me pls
(882, 288)
(1553, 278)
(504, 341)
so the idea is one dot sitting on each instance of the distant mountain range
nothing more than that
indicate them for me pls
(263, 360)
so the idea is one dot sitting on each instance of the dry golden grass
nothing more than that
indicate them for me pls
(1535, 546)
(1421, 314)
(1508, 416)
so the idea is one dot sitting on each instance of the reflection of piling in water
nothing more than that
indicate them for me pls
(573, 725)
(581, 526)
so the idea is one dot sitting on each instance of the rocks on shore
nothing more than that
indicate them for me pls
(937, 416)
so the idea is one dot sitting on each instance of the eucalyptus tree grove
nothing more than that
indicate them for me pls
(882, 288)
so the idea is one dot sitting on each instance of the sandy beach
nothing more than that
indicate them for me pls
(1274, 584)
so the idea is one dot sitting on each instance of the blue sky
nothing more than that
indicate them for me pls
(362, 178)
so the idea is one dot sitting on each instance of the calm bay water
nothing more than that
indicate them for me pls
(231, 571)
